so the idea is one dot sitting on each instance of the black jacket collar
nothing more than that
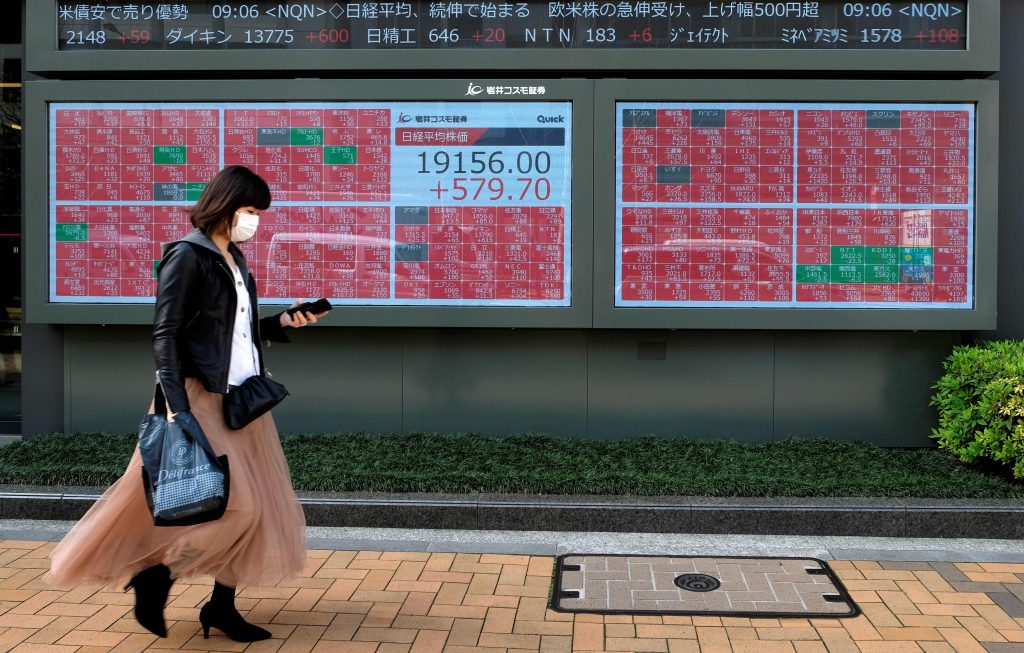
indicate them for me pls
(199, 239)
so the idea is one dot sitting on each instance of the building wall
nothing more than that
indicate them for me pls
(1011, 190)
(755, 386)
(748, 385)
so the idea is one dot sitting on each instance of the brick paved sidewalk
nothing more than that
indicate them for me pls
(374, 602)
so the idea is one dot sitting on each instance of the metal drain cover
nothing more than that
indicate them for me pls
(697, 582)
(722, 586)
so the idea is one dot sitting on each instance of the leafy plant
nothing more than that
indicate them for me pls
(980, 400)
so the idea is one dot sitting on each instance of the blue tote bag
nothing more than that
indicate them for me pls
(185, 481)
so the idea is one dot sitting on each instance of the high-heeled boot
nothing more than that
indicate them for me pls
(152, 585)
(220, 613)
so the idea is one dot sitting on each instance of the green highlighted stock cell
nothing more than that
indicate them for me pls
(193, 190)
(872, 264)
(916, 255)
(847, 255)
(882, 273)
(812, 273)
(169, 155)
(882, 255)
(72, 233)
(302, 136)
(340, 155)
(846, 273)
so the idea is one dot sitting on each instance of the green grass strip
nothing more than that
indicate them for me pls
(534, 464)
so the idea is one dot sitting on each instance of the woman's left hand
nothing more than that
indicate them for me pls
(300, 319)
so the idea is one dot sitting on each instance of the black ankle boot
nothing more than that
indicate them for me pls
(152, 585)
(220, 613)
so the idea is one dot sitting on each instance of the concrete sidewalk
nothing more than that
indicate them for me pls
(384, 591)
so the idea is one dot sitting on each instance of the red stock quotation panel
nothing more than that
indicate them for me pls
(124, 178)
(795, 205)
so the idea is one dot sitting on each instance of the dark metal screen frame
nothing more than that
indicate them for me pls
(43, 57)
(38, 95)
(983, 93)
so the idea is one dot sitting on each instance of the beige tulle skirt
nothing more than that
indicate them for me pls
(259, 540)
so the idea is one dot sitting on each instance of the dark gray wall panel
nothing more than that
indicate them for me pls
(339, 379)
(1011, 190)
(752, 386)
(42, 379)
(110, 377)
(709, 384)
(496, 381)
(858, 386)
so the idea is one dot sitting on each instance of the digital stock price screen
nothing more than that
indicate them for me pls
(399, 203)
(532, 25)
(808, 205)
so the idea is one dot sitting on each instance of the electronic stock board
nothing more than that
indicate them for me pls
(795, 204)
(328, 25)
(734, 204)
(374, 203)
(326, 35)
(863, 203)
(382, 204)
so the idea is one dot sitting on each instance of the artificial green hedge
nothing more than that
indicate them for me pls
(980, 400)
(536, 464)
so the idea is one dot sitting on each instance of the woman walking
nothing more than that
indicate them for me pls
(205, 341)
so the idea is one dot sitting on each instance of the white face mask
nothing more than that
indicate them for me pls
(246, 227)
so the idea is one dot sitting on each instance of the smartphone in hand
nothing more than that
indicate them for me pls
(319, 306)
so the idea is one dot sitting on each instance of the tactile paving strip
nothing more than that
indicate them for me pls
(762, 587)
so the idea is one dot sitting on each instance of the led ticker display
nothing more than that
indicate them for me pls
(329, 25)
(805, 205)
(399, 203)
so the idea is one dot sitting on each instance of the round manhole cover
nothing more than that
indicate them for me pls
(697, 582)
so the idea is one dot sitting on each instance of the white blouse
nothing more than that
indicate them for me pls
(244, 356)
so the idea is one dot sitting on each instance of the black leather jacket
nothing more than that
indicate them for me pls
(195, 317)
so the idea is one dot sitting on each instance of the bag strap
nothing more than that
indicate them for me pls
(189, 424)
(159, 401)
(190, 427)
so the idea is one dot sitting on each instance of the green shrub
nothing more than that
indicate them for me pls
(981, 404)
(537, 464)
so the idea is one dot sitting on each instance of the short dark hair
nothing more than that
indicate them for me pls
(230, 189)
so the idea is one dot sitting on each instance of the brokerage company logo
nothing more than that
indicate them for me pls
(475, 89)
(403, 118)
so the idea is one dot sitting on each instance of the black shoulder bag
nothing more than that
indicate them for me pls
(246, 402)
